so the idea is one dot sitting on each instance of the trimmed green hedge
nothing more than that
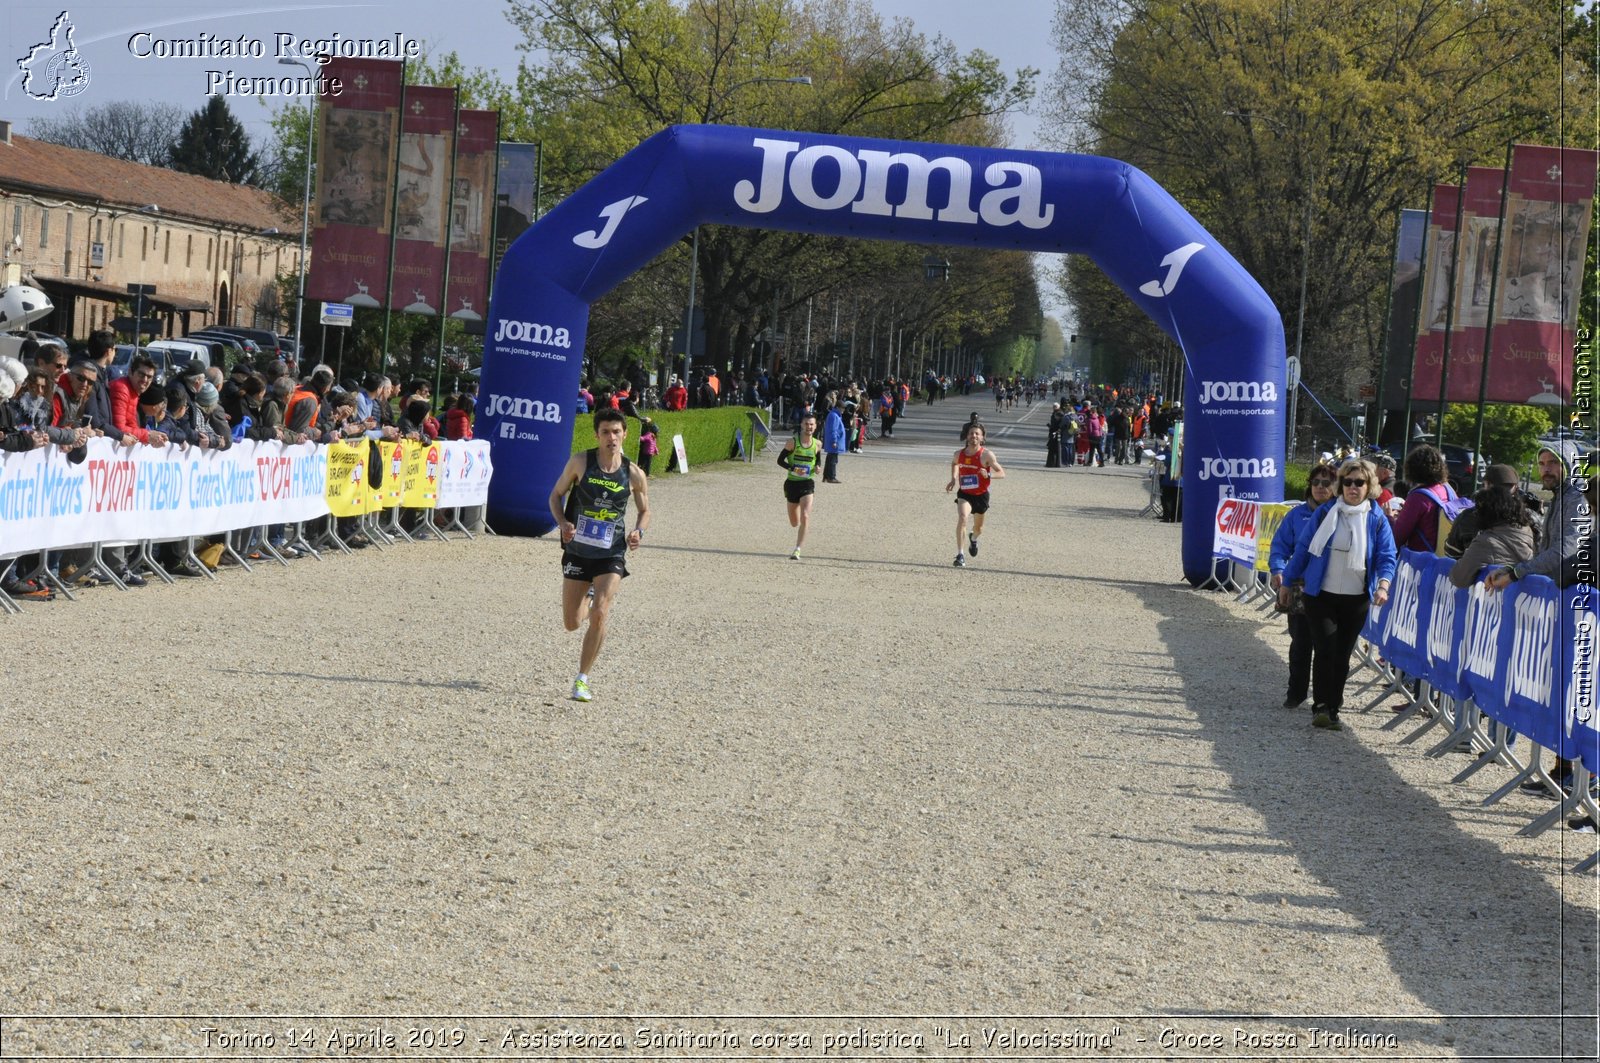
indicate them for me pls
(707, 434)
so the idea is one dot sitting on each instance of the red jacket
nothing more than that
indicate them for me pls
(676, 398)
(457, 425)
(125, 409)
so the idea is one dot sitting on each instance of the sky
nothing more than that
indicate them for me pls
(120, 46)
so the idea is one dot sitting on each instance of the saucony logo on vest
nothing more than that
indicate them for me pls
(532, 332)
(863, 185)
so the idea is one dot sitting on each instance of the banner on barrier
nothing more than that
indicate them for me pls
(118, 493)
(1268, 520)
(420, 478)
(467, 470)
(1234, 533)
(347, 479)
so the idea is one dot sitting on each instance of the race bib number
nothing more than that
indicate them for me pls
(801, 470)
(969, 481)
(596, 533)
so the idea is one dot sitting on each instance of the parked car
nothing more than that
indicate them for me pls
(168, 362)
(189, 349)
(266, 339)
(1460, 462)
(236, 348)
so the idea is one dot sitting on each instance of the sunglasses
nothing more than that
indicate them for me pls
(1322, 481)
(1353, 481)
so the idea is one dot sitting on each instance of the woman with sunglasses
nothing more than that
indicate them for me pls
(1345, 557)
(1320, 488)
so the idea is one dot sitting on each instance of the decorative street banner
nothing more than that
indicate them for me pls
(1235, 531)
(356, 136)
(1441, 259)
(516, 187)
(422, 197)
(1548, 214)
(129, 493)
(1406, 291)
(423, 467)
(1267, 522)
(467, 469)
(906, 191)
(1480, 224)
(347, 479)
(472, 214)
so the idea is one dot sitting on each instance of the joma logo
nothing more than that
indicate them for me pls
(1237, 468)
(532, 332)
(523, 409)
(863, 186)
(1238, 391)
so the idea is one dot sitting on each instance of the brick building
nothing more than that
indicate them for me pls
(84, 226)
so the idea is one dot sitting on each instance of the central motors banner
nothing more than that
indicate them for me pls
(128, 493)
(122, 494)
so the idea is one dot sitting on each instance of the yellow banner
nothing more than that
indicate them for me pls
(1267, 520)
(347, 479)
(387, 496)
(424, 464)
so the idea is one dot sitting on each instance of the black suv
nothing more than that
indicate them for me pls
(1461, 463)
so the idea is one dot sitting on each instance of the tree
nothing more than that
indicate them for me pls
(1299, 130)
(213, 143)
(615, 73)
(1510, 433)
(135, 132)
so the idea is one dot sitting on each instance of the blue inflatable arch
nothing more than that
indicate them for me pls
(684, 176)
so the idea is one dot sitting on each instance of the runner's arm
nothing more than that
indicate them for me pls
(641, 502)
(995, 471)
(558, 494)
(955, 470)
(783, 455)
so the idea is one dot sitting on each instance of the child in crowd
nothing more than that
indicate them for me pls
(647, 445)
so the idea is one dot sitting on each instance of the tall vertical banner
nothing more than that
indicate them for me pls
(1549, 210)
(472, 214)
(356, 135)
(422, 197)
(516, 183)
(1441, 259)
(1475, 249)
(1404, 294)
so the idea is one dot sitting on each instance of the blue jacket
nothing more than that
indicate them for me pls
(1288, 533)
(1381, 552)
(833, 433)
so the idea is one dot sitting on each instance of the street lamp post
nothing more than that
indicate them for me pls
(138, 300)
(712, 113)
(1305, 269)
(305, 209)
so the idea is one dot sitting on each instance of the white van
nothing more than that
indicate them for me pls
(183, 351)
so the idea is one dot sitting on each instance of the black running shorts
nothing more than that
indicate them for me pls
(979, 503)
(586, 569)
(795, 490)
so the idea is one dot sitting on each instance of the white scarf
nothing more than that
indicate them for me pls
(1356, 517)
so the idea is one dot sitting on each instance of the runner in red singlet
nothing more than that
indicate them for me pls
(970, 472)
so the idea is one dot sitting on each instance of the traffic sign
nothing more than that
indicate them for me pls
(1292, 372)
(342, 314)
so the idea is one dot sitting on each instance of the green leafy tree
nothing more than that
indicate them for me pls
(1510, 433)
(213, 143)
(614, 73)
(1295, 132)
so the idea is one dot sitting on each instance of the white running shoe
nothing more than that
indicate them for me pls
(580, 691)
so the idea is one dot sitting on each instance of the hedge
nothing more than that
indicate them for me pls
(707, 434)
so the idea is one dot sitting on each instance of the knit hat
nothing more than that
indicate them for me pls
(1501, 476)
(207, 396)
(154, 395)
(1567, 452)
(195, 368)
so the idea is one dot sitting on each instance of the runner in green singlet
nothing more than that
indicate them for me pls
(590, 503)
(801, 457)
